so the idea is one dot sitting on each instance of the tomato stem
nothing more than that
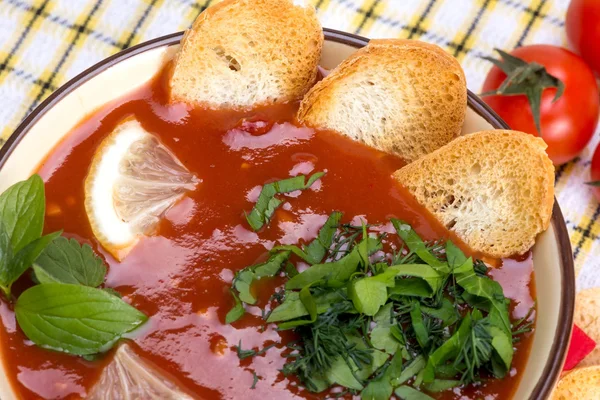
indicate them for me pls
(525, 78)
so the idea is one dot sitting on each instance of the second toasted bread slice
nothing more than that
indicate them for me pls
(243, 53)
(494, 189)
(404, 97)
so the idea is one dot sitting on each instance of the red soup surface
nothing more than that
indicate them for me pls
(181, 276)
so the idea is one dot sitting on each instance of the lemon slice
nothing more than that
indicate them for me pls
(132, 182)
(129, 377)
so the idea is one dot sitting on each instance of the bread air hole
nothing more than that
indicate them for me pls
(232, 63)
(475, 169)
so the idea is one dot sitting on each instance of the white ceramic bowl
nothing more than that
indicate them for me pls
(64, 109)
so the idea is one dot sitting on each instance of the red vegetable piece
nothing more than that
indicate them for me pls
(581, 345)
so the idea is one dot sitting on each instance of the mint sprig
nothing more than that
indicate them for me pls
(67, 311)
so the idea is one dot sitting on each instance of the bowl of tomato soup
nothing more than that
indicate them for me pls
(182, 285)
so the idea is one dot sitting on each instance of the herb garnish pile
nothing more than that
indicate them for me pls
(424, 318)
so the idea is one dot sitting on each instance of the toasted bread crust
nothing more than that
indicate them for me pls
(495, 189)
(403, 97)
(244, 53)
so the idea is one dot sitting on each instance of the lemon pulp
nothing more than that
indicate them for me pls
(129, 377)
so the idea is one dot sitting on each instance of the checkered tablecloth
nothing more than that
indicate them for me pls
(44, 43)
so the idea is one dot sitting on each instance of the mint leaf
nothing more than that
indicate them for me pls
(22, 208)
(6, 254)
(267, 203)
(112, 292)
(66, 261)
(74, 319)
(24, 259)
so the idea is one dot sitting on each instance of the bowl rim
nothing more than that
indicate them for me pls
(562, 336)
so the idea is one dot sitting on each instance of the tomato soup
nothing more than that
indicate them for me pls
(181, 276)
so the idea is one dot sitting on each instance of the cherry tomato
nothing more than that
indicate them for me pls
(567, 124)
(595, 173)
(583, 30)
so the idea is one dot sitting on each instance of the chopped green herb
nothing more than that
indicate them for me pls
(411, 370)
(417, 246)
(237, 311)
(368, 294)
(255, 379)
(409, 393)
(310, 305)
(243, 280)
(382, 337)
(267, 203)
(446, 312)
(317, 249)
(243, 354)
(440, 385)
(292, 307)
(338, 272)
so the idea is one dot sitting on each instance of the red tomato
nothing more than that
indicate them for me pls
(595, 172)
(583, 30)
(568, 124)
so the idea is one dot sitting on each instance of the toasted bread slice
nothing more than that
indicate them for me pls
(495, 189)
(579, 384)
(242, 53)
(403, 97)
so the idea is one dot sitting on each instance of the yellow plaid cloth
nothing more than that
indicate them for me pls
(44, 43)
